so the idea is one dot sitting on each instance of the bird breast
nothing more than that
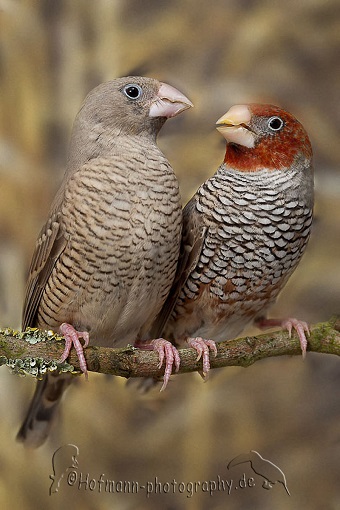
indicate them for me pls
(258, 226)
(122, 222)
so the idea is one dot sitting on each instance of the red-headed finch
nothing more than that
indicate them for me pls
(244, 232)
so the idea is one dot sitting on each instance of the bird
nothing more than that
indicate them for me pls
(271, 473)
(244, 232)
(105, 259)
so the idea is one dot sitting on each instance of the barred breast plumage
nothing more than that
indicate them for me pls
(106, 258)
(105, 281)
(245, 231)
(248, 253)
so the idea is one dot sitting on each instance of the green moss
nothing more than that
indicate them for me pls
(324, 330)
(4, 348)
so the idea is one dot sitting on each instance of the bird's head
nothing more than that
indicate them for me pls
(262, 136)
(132, 105)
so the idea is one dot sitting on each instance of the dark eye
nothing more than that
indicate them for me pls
(275, 123)
(133, 91)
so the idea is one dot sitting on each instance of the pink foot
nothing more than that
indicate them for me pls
(72, 337)
(202, 347)
(165, 350)
(301, 327)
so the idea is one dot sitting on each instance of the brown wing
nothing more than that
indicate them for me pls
(191, 246)
(49, 246)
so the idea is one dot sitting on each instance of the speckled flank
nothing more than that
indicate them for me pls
(105, 281)
(106, 258)
(258, 225)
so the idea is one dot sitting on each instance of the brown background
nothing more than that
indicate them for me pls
(52, 52)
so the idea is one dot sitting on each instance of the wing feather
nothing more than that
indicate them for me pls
(49, 246)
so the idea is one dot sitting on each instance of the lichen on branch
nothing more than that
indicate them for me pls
(35, 352)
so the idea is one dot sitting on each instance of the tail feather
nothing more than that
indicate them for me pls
(43, 407)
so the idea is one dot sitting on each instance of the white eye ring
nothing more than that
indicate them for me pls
(275, 123)
(133, 91)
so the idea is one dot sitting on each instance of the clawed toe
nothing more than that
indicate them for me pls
(72, 337)
(167, 353)
(302, 328)
(203, 348)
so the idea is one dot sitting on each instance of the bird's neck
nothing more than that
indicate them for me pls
(87, 145)
(247, 159)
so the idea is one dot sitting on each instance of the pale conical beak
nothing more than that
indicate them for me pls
(169, 102)
(233, 126)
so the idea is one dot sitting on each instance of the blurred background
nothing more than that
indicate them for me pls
(52, 52)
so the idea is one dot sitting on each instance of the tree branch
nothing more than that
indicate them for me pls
(34, 352)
